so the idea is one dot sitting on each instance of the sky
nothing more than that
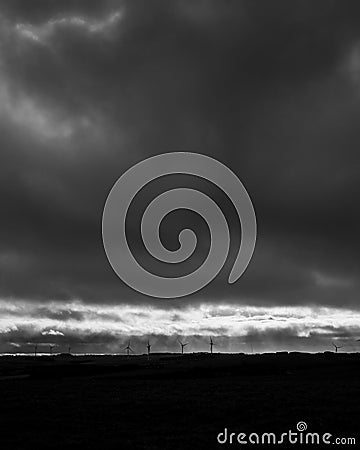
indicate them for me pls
(271, 89)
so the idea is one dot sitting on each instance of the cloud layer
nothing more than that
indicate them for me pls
(89, 89)
(99, 328)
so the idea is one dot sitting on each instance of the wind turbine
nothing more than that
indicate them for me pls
(35, 352)
(69, 348)
(51, 348)
(211, 345)
(182, 346)
(336, 347)
(128, 349)
(148, 348)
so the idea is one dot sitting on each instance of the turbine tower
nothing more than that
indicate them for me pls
(252, 347)
(35, 350)
(51, 349)
(148, 348)
(211, 345)
(128, 349)
(336, 347)
(182, 346)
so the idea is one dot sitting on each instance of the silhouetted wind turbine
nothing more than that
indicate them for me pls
(69, 348)
(128, 349)
(51, 348)
(182, 346)
(211, 345)
(35, 352)
(148, 348)
(336, 347)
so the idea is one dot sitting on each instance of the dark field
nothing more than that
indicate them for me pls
(173, 402)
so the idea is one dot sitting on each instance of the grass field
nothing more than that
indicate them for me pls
(173, 402)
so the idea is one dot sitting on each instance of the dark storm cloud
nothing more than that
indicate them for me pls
(269, 88)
